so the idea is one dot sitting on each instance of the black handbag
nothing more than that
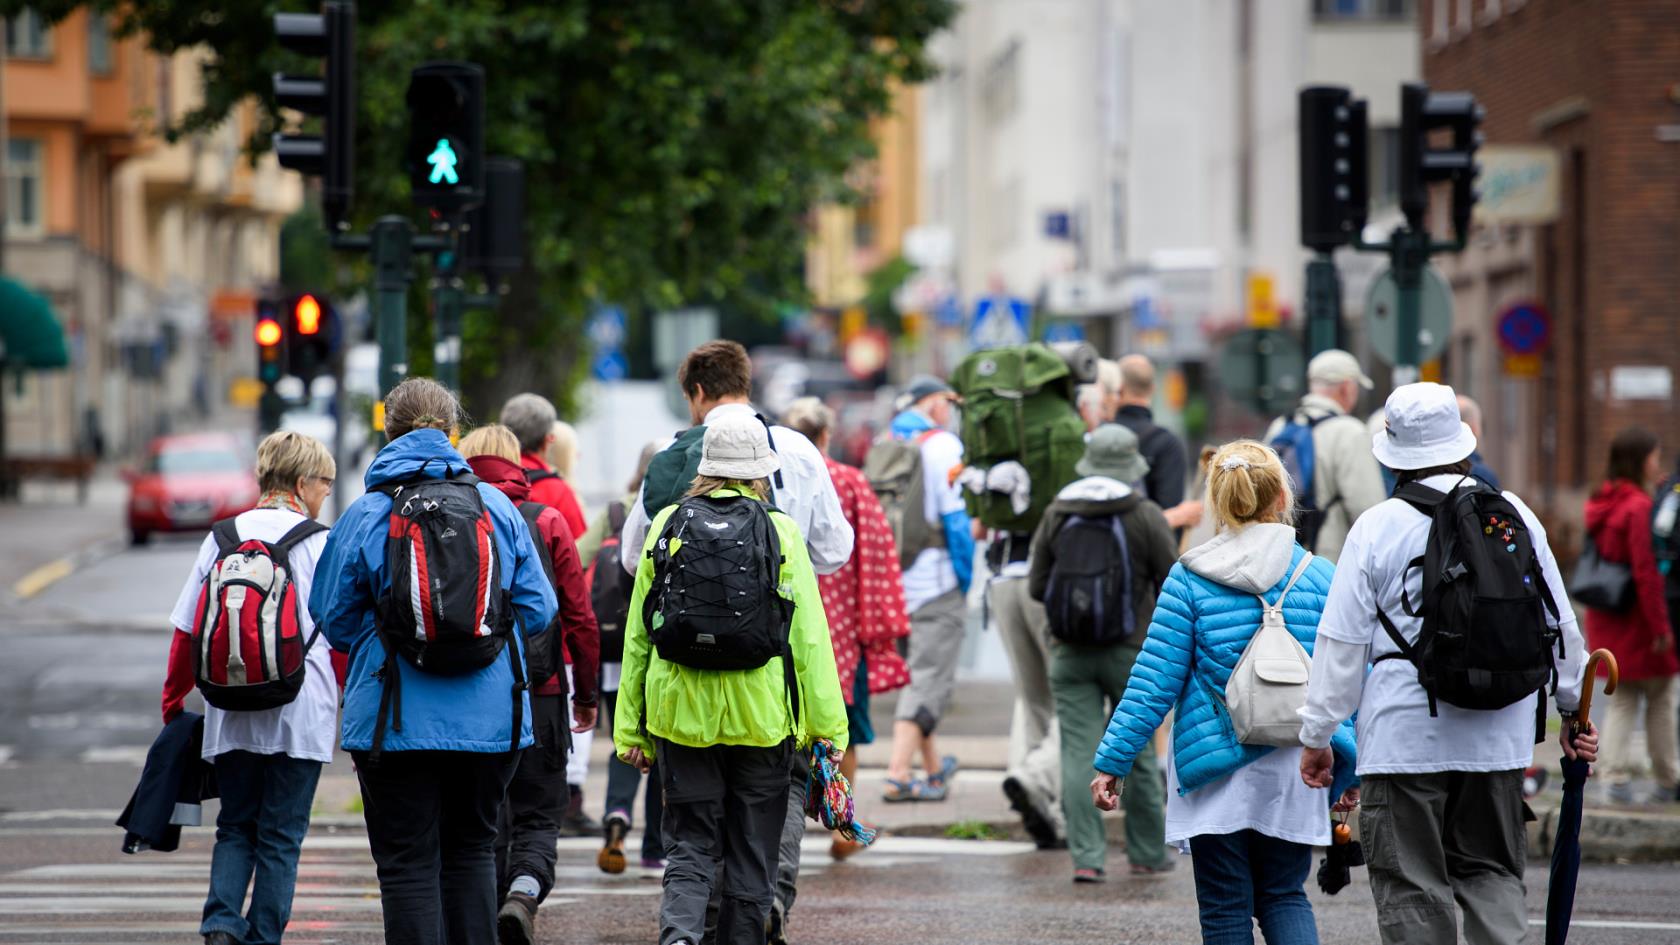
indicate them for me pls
(1600, 583)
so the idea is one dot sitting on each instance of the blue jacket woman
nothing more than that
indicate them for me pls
(1247, 818)
(431, 797)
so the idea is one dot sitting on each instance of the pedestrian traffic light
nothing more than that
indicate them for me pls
(271, 342)
(330, 155)
(445, 152)
(314, 336)
(1422, 114)
(1335, 192)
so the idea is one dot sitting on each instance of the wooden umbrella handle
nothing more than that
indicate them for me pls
(1583, 717)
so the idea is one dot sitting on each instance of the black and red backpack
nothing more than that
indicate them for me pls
(444, 610)
(248, 647)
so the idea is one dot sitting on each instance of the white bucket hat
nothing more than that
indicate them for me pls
(738, 447)
(1422, 429)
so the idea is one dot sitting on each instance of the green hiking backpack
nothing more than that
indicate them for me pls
(1018, 405)
(894, 470)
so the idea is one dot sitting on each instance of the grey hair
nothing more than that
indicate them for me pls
(420, 403)
(810, 416)
(531, 418)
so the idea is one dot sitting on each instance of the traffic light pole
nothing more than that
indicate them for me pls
(1324, 305)
(1408, 251)
(391, 249)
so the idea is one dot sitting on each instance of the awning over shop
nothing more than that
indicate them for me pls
(30, 333)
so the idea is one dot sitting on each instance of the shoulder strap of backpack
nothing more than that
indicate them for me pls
(296, 535)
(535, 476)
(770, 437)
(1300, 569)
(790, 678)
(530, 512)
(227, 535)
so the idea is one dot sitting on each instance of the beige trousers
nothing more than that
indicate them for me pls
(1622, 760)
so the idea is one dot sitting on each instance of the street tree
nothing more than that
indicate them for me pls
(671, 149)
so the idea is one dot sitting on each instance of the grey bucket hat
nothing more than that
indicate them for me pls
(1112, 451)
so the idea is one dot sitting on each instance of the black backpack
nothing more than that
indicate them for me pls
(610, 587)
(1486, 641)
(715, 602)
(1089, 594)
(543, 659)
(1294, 446)
(444, 610)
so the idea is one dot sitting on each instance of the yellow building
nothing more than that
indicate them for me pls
(848, 242)
(138, 245)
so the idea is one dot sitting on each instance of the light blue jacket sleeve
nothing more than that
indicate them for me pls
(341, 596)
(1157, 681)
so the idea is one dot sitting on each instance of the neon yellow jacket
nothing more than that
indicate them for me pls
(704, 707)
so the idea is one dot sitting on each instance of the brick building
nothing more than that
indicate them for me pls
(1593, 91)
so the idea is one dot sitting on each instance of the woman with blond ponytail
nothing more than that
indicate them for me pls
(1241, 810)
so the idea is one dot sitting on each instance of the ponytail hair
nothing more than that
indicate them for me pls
(1246, 481)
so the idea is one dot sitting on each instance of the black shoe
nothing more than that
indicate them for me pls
(775, 931)
(220, 938)
(516, 924)
(576, 823)
(1038, 823)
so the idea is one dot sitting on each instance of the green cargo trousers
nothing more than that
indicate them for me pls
(1087, 683)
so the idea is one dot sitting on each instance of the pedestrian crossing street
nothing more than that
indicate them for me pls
(153, 897)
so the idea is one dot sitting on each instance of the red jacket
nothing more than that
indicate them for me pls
(579, 633)
(553, 492)
(864, 600)
(1619, 520)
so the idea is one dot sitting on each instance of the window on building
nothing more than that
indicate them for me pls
(1395, 10)
(1464, 20)
(28, 36)
(1384, 163)
(24, 213)
(99, 44)
(1438, 19)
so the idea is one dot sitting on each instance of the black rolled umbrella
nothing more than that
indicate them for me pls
(1566, 838)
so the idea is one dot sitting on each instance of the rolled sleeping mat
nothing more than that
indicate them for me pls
(1081, 359)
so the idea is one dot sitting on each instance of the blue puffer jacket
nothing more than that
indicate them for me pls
(441, 713)
(1204, 618)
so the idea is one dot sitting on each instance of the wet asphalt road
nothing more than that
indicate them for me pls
(78, 706)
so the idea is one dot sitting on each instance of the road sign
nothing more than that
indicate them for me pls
(610, 366)
(867, 352)
(1064, 331)
(1263, 367)
(1524, 328)
(606, 329)
(1262, 305)
(1382, 319)
(1000, 321)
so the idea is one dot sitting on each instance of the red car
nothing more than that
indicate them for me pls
(189, 481)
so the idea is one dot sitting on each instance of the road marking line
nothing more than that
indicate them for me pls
(6, 752)
(43, 577)
(23, 816)
(132, 754)
(1615, 924)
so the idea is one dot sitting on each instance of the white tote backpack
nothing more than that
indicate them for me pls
(1269, 685)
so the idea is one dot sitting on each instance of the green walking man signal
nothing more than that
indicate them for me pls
(442, 159)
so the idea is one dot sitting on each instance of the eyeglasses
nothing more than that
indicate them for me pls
(328, 480)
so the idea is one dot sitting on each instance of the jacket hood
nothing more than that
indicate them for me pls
(1096, 495)
(405, 456)
(1607, 499)
(508, 477)
(1253, 558)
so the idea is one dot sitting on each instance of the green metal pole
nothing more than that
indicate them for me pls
(1409, 254)
(391, 249)
(1324, 305)
(446, 310)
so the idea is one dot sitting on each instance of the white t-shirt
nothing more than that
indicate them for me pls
(1395, 731)
(931, 574)
(1267, 796)
(307, 727)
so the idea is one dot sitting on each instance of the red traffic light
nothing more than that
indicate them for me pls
(307, 311)
(268, 333)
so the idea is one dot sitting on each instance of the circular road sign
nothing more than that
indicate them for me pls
(1382, 316)
(1524, 328)
(1263, 367)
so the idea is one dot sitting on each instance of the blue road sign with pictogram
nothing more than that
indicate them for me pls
(1524, 328)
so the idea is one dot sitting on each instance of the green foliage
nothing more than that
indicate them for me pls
(880, 285)
(306, 261)
(671, 147)
(972, 830)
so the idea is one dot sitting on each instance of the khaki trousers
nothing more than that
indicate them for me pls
(1622, 760)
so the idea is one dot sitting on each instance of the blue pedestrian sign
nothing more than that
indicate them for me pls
(1064, 331)
(1524, 328)
(610, 366)
(1000, 321)
(606, 329)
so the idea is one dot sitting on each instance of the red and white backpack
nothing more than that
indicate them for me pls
(248, 646)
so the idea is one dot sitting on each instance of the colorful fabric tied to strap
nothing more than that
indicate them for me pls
(828, 796)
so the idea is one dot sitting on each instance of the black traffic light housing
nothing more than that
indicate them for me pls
(313, 333)
(445, 154)
(1423, 113)
(493, 239)
(269, 331)
(1335, 191)
(331, 155)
